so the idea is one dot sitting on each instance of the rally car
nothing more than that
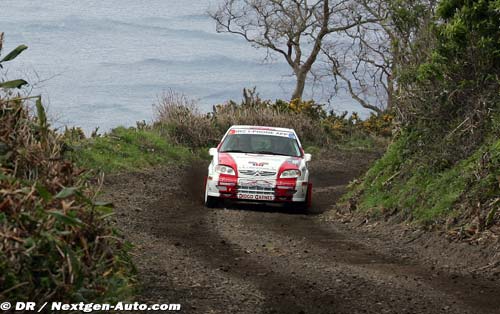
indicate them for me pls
(259, 164)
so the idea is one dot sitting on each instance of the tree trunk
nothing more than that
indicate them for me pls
(390, 93)
(299, 85)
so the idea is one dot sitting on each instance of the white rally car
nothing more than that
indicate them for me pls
(259, 164)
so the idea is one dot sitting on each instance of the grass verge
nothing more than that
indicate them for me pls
(127, 149)
(467, 193)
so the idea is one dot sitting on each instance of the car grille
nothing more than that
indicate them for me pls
(257, 173)
(255, 190)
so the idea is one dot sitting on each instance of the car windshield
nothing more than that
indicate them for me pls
(261, 144)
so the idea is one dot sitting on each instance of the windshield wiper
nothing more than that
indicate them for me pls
(271, 153)
(233, 151)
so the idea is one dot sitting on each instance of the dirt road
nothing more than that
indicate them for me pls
(253, 259)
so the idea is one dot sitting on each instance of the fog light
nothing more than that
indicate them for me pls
(222, 188)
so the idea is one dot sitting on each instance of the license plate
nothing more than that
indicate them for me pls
(256, 197)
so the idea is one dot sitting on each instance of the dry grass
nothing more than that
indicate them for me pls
(180, 121)
(307, 127)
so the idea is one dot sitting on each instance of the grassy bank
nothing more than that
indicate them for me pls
(465, 194)
(125, 149)
(443, 168)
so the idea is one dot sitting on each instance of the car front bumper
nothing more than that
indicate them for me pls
(255, 189)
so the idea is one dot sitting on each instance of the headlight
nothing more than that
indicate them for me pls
(224, 170)
(290, 174)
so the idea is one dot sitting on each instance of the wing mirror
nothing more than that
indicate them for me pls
(307, 157)
(212, 151)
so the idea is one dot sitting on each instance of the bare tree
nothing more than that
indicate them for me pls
(368, 62)
(294, 29)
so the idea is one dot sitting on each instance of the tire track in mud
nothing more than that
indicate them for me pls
(281, 292)
(284, 290)
(342, 255)
(370, 264)
(254, 259)
(425, 290)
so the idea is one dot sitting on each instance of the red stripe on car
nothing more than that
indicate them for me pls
(289, 164)
(285, 186)
(227, 160)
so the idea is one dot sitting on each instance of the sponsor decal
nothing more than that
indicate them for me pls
(262, 131)
(256, 197)
(258, 164)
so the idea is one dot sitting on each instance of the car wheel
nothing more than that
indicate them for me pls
(210, 201)
(309, 195)
(305, 205)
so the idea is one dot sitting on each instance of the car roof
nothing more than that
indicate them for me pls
(260, 127)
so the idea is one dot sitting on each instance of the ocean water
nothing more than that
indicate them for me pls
(105, 63)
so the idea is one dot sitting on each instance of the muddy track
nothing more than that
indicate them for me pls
(255, 259)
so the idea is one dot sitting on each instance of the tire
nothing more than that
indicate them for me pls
(309, 196)
(210, 201)
(306, 205)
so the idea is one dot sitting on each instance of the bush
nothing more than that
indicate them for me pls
(55, 241)
(444, 164)
(178, 119)
(455, 91)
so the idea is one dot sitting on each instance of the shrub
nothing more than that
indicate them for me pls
(55, 241)
(178, 118)
(180, 121)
